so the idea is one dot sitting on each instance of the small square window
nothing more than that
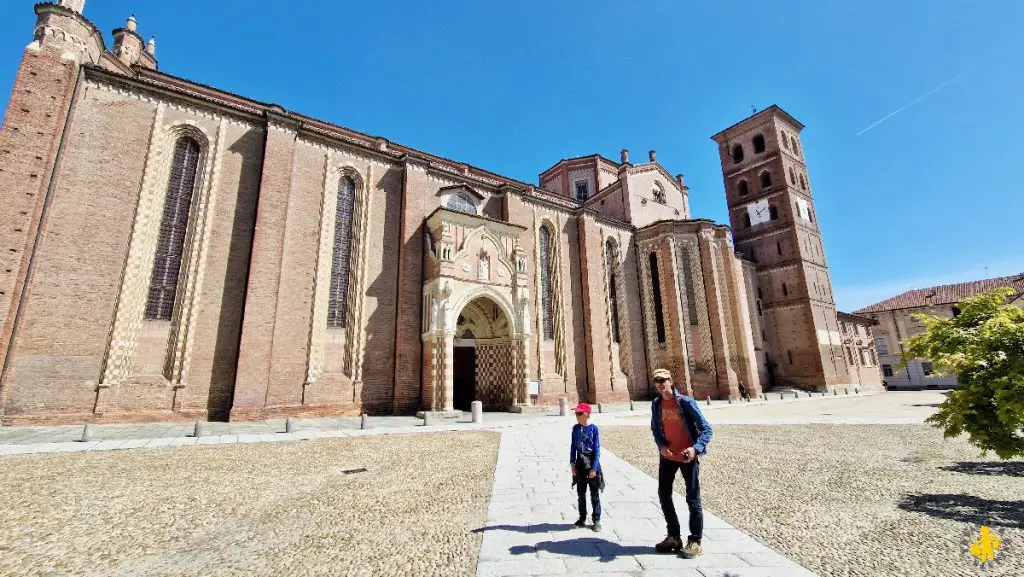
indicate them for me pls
(582, 190)
(887, 370)
(926, 368)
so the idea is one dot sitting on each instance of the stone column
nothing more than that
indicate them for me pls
(448, 399)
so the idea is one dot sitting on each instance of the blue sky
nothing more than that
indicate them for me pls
(931, 195)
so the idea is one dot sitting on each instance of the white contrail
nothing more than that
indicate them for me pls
(919, 99)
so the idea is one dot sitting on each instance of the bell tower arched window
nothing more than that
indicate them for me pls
(181, 186)
(546, 301)
(337, 306)
(743, 189)
(766, 179)
(737, 154)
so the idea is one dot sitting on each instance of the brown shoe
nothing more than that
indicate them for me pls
(691, 550)
(669, 545)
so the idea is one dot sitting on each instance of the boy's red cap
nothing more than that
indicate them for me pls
(582, 408)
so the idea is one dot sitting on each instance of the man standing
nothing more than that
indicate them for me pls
(681, 433)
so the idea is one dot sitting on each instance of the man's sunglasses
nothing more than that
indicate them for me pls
(580, 414)
(658, 381)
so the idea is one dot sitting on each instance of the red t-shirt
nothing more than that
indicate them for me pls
(675, 432)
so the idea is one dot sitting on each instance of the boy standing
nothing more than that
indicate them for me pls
(585, 462)
(681, 433)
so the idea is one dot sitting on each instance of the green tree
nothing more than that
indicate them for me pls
(984, 346)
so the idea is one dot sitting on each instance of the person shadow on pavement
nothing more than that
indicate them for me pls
(591, 547)
(541, 528)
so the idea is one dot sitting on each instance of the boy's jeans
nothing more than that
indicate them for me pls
(582, 482)
(690, 472)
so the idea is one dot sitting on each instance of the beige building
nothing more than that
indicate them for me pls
(172, 251)
(896, 324)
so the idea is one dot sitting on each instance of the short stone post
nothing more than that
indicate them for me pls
(600, 408)
(709, 400)
(364, 422)
(87, 434)
(846, 391)
(835, 392)
(428, 418)
(563, 406)
(729, 398)
(289, 425)
(631, 404)
(782, 396)
(202, 429)
(796, 394)
(856, 391)
(477, 410)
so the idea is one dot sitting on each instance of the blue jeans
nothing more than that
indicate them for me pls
(582, 482)
(691, 476)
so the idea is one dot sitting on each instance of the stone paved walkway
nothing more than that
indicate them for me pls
(529, 522)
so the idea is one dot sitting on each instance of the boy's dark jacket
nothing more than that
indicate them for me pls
(696, 424)
(583, 461)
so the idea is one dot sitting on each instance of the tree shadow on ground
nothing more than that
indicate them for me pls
(967, 509)
(993, 468)
(541, 528)
(589, 547)
(933, 405)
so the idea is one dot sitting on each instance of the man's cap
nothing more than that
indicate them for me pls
(582, 408)
(662, 374)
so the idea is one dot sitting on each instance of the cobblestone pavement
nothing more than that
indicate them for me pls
(855, 500)
(529, 523)
(251, 509)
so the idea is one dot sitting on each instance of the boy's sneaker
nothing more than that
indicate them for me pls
(596, 527)
(691, 550)
(581, 523)
(668, 545)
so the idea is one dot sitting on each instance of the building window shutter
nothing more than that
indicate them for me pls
(337, 307)
(163, 285)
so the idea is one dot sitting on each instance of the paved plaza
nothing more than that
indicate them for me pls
(800, 486)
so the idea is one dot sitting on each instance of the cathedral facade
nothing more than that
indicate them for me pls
(171, 250)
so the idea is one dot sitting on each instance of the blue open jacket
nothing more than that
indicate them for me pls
(696, 424)
(586, 440)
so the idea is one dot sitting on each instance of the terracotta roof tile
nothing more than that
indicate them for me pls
(947, 294)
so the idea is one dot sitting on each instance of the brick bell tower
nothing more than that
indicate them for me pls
(33, 129)
(775, 225)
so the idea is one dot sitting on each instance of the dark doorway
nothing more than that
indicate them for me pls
(463, 377)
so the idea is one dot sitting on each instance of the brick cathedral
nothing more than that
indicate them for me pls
(171, 250)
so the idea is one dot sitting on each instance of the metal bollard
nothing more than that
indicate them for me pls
(709, 401)
(631, 404)
(201, 429)
(563, 406)
(364, 422)
(781, 396)
(87, 434)
(729, 398)
(856, 391)
(477, 410)
(846, 391)
(835, 392)
(289, 425)
(796, 394)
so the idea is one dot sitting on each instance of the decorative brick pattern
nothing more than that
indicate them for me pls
(494, 374)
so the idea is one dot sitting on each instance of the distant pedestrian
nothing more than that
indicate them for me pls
(681, 433)
(585, 462)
